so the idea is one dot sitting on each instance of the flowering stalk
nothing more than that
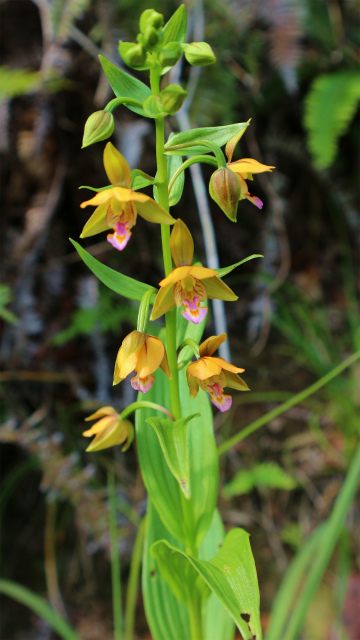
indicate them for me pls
(170, 316)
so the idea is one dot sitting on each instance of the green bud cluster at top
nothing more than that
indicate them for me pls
(151, 50)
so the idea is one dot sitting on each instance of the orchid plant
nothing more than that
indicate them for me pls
(198, 583)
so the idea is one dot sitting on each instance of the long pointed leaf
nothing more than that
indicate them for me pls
(124, 85)
(125, 286)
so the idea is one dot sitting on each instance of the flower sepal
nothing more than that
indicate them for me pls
(109, 430)
(224, 188)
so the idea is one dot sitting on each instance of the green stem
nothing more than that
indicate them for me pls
(144, 404)
(194, 607)
(220, 158)
(144, 307)
(116, 102)
(188, 163)
(299, 397)
(133, 583)
(115, 560)
(170, 316)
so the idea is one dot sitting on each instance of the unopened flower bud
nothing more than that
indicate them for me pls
(172, 98)
(151, 18)
(199, 54)
(99, 126)
(135, 56)
(225, 189)
(150, 38)
(170, 54)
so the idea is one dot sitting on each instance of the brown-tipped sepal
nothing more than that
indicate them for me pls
(225, 189)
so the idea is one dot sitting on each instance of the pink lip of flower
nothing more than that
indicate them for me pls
(142, 384)
(120, 237)
(193, 311)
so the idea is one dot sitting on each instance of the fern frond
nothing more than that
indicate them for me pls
(15, 82)
(329, 108)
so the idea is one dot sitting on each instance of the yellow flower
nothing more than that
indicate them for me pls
(109, 431)
(213, 374)
(118, 206)
(244, 169)
(143, 354)
(188, 285)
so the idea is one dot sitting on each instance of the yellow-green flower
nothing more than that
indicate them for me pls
(109, 431)
(143, 354)
(245, 169)
(213, 374)
(118, 206)
(188, 285)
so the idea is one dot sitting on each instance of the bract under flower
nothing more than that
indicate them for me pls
(117, 207)
(188, 285)
(244, 169)
(213, 374)
(109, 431)
(143, 354)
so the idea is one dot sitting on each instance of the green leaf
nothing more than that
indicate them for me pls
(125, 286)
(329, 108)
(161, 485)
(173, 441)
(231, 575)
(125, 86)
(40, 607)
(223, 272)
(140, 180)
(266, 474)
(175, 30)
(217, 135)
(164, 613)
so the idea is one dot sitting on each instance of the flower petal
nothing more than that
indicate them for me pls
(97, 223)
(209, 346)
(219, 399)
(116, 167)
(235, 382)
(193, 384)
(150, 356)
(218, 290)
(125, 364)
(164, 365)
(227, 366)
(181, 244)
(204, 368)
(113, 436)
(256, 201)
(104, 411)
(99, 198)
(248, 165)
(231, 144)
(152, 211)
(164, 301)
(100, 425)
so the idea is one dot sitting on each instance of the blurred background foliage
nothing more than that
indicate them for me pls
(292, 66)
